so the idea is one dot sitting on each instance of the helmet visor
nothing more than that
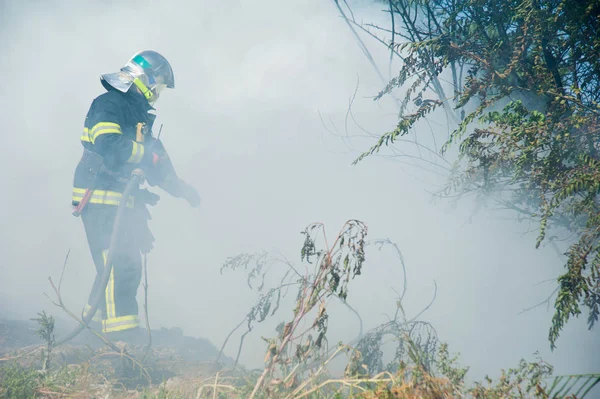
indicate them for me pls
(156, 91)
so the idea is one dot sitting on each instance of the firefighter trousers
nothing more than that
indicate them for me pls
(118, 311)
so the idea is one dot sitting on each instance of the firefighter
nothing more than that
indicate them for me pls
(118, 131)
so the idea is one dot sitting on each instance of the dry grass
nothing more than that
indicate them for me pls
(105, 375)
(296, 365)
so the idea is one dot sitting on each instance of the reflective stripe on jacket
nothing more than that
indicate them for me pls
(103, 197)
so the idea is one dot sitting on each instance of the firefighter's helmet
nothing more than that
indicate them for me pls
(148, 70)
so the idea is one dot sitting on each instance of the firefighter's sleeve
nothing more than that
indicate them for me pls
(106, 136)
(163, 172)
(164, 176)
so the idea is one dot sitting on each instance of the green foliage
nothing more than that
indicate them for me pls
(580, 384)
(18, 382)
(46, 327)
(525, 381)
(448, 366)
(526, 78)
(46, 332)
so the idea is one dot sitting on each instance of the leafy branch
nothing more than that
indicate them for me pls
(526, 80)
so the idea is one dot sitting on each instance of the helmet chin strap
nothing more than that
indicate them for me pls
(145, 90)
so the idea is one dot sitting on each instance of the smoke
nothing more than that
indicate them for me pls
(256, 85)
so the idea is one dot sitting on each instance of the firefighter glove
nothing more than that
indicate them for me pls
(147, 197)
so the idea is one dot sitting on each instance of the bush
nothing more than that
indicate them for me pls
(18, 382)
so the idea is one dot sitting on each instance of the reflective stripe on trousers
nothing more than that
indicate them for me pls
(110, 290)
(112, 322)
(120, 323)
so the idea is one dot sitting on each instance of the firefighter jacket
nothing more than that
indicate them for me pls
(112, 130)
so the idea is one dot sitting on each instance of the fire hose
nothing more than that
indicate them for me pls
(137, 178)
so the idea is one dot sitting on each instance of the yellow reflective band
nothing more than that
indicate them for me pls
(110, 290)
(103, 197)
(137, 153)
(120, 323)
(104, 128)
(86, 135)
